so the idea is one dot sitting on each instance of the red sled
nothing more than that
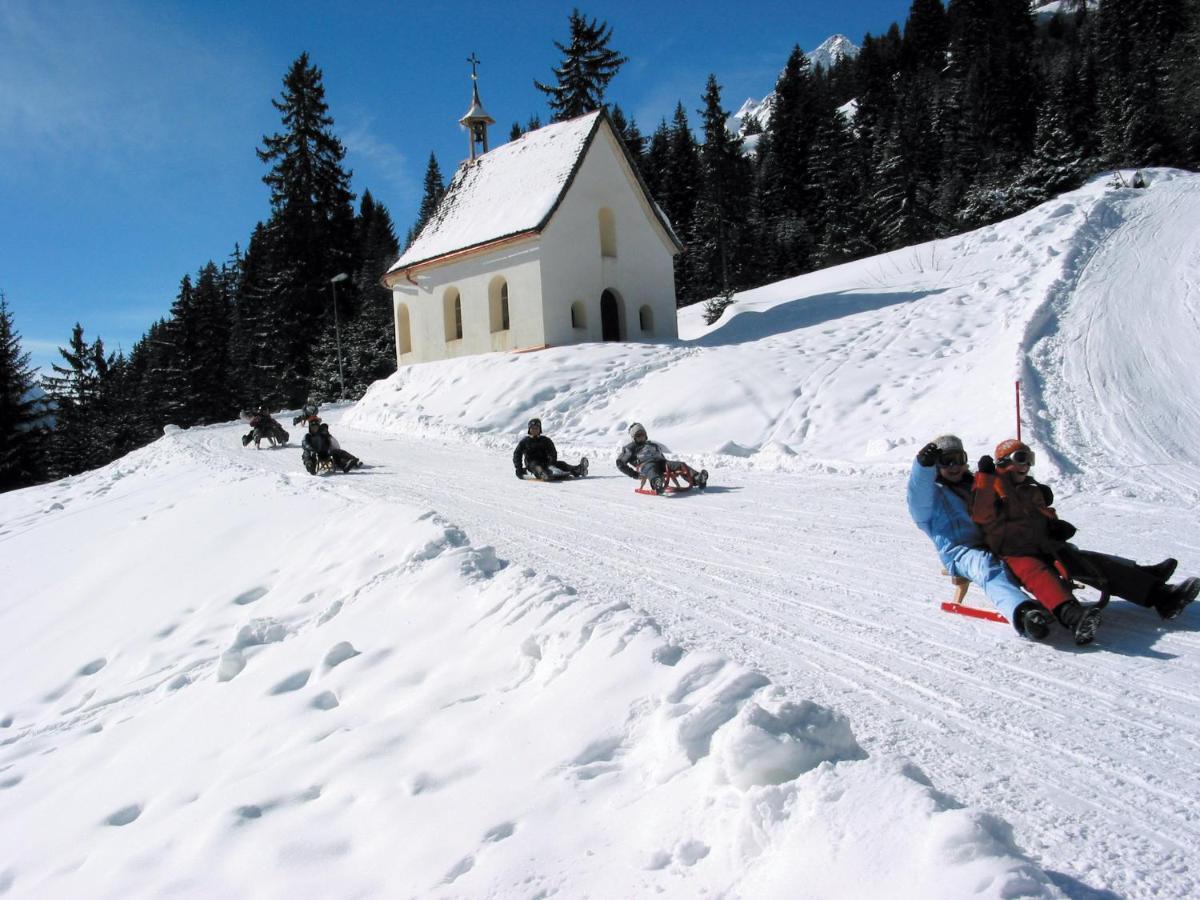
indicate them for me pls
(959, 608)
(974, 611)
(678, 481)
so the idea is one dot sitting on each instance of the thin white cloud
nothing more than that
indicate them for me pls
(102, 80)
(383, 159)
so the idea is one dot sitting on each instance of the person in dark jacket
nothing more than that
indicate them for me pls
(263, 425)
(308, 412)
(647, 460)
(1021, 526)
(536, 455)
(321, 447)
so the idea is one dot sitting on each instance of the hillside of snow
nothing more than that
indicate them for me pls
(220, 676)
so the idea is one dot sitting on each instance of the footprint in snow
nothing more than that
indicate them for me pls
(292, 682)
(124, 815)
(247, 597)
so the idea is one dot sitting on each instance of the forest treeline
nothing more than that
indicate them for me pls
(971, 111)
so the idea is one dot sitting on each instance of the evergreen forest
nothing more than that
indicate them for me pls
(969, 112)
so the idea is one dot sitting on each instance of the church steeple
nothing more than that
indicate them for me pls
(477, 119)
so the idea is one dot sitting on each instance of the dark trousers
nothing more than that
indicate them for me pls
(545, 470)
(1120, 577)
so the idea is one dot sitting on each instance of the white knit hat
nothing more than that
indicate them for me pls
(948, 442)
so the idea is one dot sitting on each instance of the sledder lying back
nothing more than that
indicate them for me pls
(644, 459)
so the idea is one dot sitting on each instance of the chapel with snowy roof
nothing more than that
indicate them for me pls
(548, 240)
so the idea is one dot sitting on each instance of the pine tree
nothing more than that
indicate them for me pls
(311, 229)
(721, 212)
(368, 340)
(588, 65)
(23, 417)
(925, 37)
(786, 199)
(79, 441)
(434, 189)
(635, 143)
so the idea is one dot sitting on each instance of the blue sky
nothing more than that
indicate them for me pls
(128, 130)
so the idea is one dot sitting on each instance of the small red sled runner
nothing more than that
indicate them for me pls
(958, 607)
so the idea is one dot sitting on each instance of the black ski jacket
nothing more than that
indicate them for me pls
(318, 444)
(534, 451)
(639, 455)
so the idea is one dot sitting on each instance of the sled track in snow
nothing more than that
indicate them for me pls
(822, 583)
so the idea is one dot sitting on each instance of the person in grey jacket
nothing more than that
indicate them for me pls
(643, 458)
(939, 489)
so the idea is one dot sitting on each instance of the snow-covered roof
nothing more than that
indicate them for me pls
(507, 191)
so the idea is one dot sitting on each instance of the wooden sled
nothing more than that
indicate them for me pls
(678, 482)
(958, 607)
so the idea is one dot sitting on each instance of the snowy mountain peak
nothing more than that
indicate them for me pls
(831, 51)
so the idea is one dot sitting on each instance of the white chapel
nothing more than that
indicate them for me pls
(548, 240)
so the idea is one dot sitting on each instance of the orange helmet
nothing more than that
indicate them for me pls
(1012, 451)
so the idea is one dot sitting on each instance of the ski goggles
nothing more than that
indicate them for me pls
(949, 458)
(1017, 458)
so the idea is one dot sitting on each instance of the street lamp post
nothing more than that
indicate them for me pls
(337, 332)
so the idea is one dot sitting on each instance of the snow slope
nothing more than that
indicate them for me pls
(222, 677)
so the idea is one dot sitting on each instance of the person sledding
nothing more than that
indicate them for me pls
(263, 425)
(939, 494)
(536, 455)
(646, 460)
(308, 412)
(320, 451)
(1020, 524)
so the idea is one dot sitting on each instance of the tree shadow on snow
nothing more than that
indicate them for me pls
(805, 312)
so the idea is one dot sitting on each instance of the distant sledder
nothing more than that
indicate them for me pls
(263, 427)
(308, 413)
(537, 456)
(645, 460)
(320, 451)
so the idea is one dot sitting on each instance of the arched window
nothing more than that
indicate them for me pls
(403, 329)
(498, 305)
(646, 320)
(608, 233)
(578, 315)
(452, 314)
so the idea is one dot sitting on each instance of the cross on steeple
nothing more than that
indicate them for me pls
(476, 120)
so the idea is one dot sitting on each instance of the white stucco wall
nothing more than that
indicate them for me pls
(472, 276)
(573, 268)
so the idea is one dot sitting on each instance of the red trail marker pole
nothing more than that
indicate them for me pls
(1018, 385)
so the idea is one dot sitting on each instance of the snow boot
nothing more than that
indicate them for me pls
(246, 439)
(1171, 599)
(702, 479)
(1163, 570)
(581, 470)
(1034, 621)
(658, 483)
(1082, 621)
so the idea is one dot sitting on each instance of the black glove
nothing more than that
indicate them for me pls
(520, 472)
(928, 455)
(1061, 530)
(986, 466)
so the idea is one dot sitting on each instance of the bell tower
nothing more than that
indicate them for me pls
(477, 119)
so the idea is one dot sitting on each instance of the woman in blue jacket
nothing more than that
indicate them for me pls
(939, 488)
